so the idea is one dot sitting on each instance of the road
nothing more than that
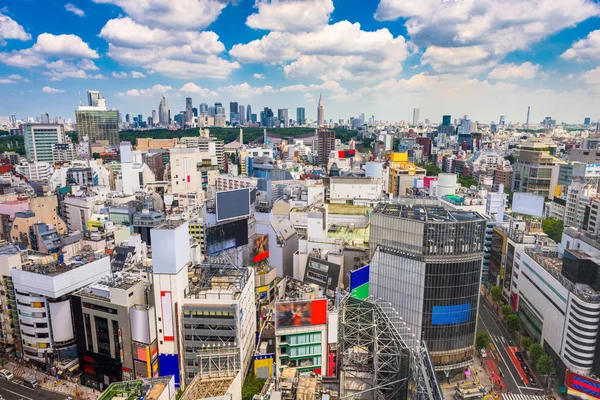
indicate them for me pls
(500, 339)
(14, 391)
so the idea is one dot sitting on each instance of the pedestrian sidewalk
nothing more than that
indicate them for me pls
(48, 382)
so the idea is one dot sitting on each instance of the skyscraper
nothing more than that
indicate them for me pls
(249, 113)
(325, 144)
(242, 110)
(163, 111)
(321, 112)
(283, 117)
(300, 115)
(45, 118)
(39, 140)
(154, 117)
(98, 123)
(426, 261)
(203, 109)
(189, 114)
(446, 120)
(502, 120)
(92, 97)
(233, 107)
(416, 116)
(587, 121)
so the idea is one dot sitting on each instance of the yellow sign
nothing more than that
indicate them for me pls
(263, 368)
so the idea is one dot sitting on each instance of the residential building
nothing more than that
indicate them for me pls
(426, 261)
(38, 171)
(62, 152)
(39, 140)
(154, 161)
(145, 221)
(325, 144)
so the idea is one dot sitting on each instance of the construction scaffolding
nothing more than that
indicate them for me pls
(378, 356)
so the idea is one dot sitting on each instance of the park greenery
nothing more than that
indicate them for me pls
(553, 228)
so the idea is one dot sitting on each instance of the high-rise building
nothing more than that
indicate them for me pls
(13, 120)
(502, 120)
(98, 123)
(128, 118)
(416, 116)
(325, 144)
(203, 109)
(189, 114)
(267, 118)
(536, 170)
(219, 109)
(446, 120)
(587, 121)
(300, 115)
(426, 261)
(163, 111)
(233, 107)
(92, 97)
(283, 117)
(321, 113)
(249, 113)
(154, 117)
(44, 118)
(242, 114)
(39, 139)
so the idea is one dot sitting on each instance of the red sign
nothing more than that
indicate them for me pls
(581, 386)
(260, 248)
(300, 313)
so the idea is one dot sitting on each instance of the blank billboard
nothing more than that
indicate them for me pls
(529, 204)
(300, 313)
(233, 204)
(139, 325)
(167, 316)
(62, 324)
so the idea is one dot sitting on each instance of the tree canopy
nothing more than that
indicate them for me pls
(526, 342)
(467, 181)
(513, 322)
(535, 352)
(545, 365)
(482, 340)
(496, 293)
(553, 228)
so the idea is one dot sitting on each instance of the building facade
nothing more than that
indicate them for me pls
(40, 140)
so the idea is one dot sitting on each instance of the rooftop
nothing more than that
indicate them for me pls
(299, 290)
(47, 265)
(118, 280)
(204, 278)
(148, 389)
(348, 209)
(425, 213)
(171, 224)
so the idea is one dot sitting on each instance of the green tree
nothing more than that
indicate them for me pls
(432, 170)
(95, 156)
(553, 228)
(482, 340)
(252, 385)
(545, 365)
(513, 322)
(178, 394)
(467, 181)
(496, 293)
(536, 351)
(506, 311)
(511, 159)
(526, 342)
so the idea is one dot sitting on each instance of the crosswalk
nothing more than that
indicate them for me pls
(516, 396)
(499, 339)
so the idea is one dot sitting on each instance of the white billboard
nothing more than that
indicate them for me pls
(139, 325)
(529, 204)
(62, 324)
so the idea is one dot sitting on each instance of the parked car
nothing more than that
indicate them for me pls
(483, 353)
(519, 356)
(6, 374)
(31, 383)
(531, 380)
(525, 367)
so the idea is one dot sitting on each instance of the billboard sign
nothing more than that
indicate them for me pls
(581, 387)
(448, 315)
(359, 282)
(295, 314)
(260, 248)
(226, 236)
(528, 204)
(232, 204)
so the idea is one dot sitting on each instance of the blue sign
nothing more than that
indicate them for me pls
(447, 315)
(359, 277)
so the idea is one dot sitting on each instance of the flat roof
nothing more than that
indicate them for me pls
(425, 213)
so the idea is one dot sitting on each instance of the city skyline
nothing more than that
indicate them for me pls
(385, 60)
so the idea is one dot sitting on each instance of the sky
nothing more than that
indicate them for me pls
(481, 58)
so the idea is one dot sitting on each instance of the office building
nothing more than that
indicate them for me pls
(416, 116)
(283, 117)
(189, 115)
(300, 115)
(203, 109)
(98, 124)
(587, 121)
(233, 107)
(163, 112)
(62, 152)
(446, 120)
(38, 171)
(93, 96)
(426, 261)
(242, 115)
(39, 140)
(536, 170)
(321, 111)
(44, 118)
(502, 120)
(325, 144)
(249, 114)
(145, 221)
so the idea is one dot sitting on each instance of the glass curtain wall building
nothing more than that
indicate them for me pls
(427, 261)
(98, 125)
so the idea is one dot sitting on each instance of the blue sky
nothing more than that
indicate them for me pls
(483, 58)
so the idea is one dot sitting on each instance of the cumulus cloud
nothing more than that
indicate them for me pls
(180, 54)
(124, 74)
(587, 49)
(191, 87)
(48, 89)
(246, 90)
(339, 51)
(151, 91)
(290, 15)
(61, 69)
(14, 78)
(10, 29)
(514, 72)
(259, 76)
(592, 77)
(172, 14)
(499, 26)
(75, 10)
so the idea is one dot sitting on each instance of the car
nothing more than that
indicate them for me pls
(525, 367)
(531, 380)
(483, 353)
(31, 383)
(6, 374)
(519, 356)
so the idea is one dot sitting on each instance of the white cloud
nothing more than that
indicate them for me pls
(514, 72)
(308, 97)
(14, 78)
(331, 86)
(137, 75)
(70, 46)
(591, 77)
(339, 51)
(500, 26)
(10, 29)
(124, 74)
(246, 90)
(180, 54)
(151, 91)
(75, 10)
(472, 59)
(48, 89)
(587, 49)
(291, 15)
(61, 69)
(259, 76)
(191, 87)
(172, 14)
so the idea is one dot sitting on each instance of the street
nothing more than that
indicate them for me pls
(500, 340)
(14, 391)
